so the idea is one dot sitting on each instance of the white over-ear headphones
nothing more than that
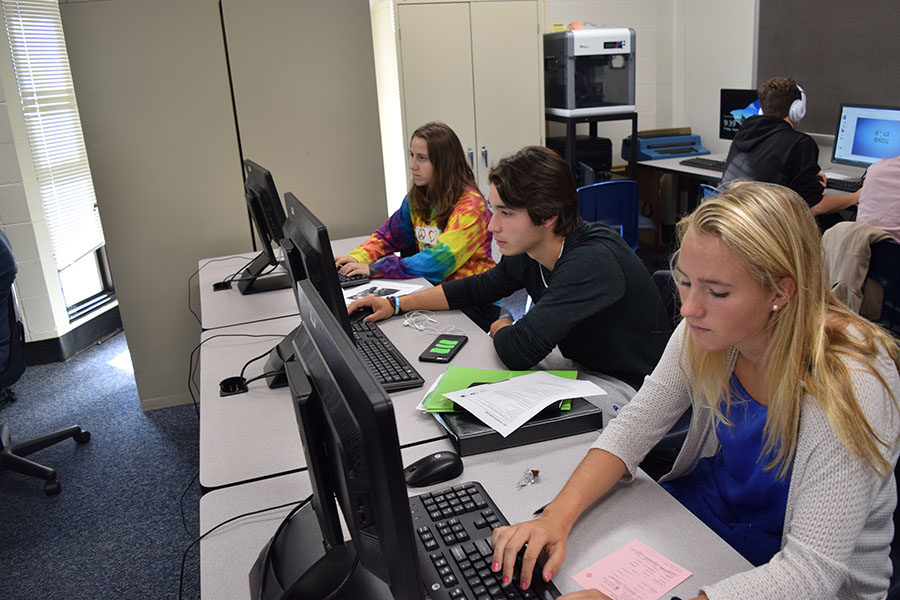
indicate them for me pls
(798, 107)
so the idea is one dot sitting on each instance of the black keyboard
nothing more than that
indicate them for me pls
(350, 280)
(710, 164)
(453, 527)
(384, 361)
(844, 185)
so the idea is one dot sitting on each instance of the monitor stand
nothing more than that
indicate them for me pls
(250, 281)
(294, 565)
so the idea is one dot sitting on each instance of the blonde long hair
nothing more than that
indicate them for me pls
(770, 227)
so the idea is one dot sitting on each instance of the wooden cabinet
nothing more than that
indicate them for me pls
(477, 67)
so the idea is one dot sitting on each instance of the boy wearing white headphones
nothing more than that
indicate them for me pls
(769, 148)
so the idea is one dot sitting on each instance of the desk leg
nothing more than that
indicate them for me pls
(570, 148)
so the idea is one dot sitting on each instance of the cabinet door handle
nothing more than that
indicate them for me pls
(484, 156)
(471, 159)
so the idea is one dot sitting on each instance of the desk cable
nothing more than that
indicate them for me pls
(298, 506)
(192, 366)
(195, 273)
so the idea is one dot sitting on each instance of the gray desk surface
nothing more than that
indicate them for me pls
(253, 435)
(245, 436)
(641, 510)
(230, 307)
(673, 165)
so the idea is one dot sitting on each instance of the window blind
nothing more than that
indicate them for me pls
(53, 126)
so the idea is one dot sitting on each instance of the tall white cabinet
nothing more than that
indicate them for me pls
(477, 66)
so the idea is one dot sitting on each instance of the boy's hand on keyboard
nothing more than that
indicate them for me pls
(381, 307)
(534, 536)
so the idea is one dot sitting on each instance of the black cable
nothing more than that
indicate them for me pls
(191, 365)
(302, 503)
(266, 374)
(194, 274)
(254, 359)
(181, 501)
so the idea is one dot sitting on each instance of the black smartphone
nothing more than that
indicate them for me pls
(443, 348)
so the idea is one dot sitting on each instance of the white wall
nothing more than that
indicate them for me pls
(719, 42)
(686, 50)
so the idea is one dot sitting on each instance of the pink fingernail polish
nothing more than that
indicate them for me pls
(548, 575)
(495, 567)
(524, 585)
(505, 580)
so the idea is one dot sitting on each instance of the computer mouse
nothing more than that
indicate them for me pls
(360, 313)
(434, 468)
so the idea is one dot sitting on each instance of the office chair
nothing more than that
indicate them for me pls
(615, 203)
(706, 191)
(11, 454)
(659, 460)
(884, 269)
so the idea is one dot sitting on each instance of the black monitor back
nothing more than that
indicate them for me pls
(350, 441)
(313, 257)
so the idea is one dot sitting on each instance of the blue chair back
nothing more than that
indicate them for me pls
(707, 191)
(884, 267)
(612, 202)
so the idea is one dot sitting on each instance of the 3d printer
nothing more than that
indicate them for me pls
(589, 72)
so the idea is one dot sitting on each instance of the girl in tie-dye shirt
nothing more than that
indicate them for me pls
(442, 224)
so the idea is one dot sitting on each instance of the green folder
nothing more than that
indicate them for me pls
(459, 378)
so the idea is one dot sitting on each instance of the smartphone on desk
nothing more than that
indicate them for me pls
(443, 348)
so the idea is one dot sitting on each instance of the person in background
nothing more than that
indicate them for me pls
(791, 450)
(769, 148)
(593, 298)
(440, 229)
(878, 197)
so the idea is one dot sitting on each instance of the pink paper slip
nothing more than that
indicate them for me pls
(633, 572)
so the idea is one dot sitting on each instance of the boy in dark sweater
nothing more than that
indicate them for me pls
(769, 148)
(592, 295)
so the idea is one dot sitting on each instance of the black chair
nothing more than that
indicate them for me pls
(11, 454)
(884, 269)
(659, 460)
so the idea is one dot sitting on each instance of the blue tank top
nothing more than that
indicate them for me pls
(732, 492)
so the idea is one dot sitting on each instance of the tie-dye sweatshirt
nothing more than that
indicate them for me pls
(463, 248)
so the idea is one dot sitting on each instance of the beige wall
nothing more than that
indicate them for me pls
(153, 90)
(155, 108)
(307, 106)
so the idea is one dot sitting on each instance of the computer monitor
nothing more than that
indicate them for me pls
(313, 257)
(308, 255)
(352, 451)
(267, 215)
(865, 134)
(734, 107)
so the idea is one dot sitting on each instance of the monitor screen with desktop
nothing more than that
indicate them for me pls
(866, 134)
(735, 106)
(267, 214)
(350, 441)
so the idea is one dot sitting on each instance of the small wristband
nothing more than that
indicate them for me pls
(395, 303)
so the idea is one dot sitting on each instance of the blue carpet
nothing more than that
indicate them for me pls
(115, 531)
